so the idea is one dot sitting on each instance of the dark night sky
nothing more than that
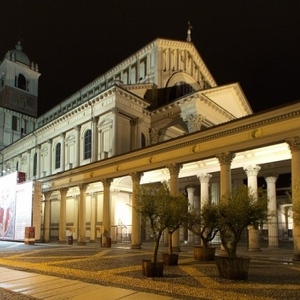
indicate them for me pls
(253, 42)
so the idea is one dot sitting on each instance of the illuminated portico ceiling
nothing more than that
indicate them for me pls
(263, 155)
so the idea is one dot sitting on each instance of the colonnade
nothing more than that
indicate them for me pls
(225, 160)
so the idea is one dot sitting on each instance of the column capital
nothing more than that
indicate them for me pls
(134, 121)
(63, 191)
(252, 170)
(106, 182)
(194, 122)
(115, 110)
(136, 176)
(47, 195)
(225, 158)
(190, 189)
(204, 177)
(95, 119)
(83, 187)
(77, 127)
(174, 169)
(271, 179)
(154, 135)
(294, 143)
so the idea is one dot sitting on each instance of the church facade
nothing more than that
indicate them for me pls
(158, 115)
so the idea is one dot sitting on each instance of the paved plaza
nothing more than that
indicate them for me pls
(56, 271)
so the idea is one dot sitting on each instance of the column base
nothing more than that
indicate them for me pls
(62, 242)
(176, 249)
(273, 247)
(135, 246)
(254, 250)
(296, 257)
(81, 243)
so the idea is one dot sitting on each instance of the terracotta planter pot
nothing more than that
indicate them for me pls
(152, 269)
(204, 254)
(170, 259)
(233, 268)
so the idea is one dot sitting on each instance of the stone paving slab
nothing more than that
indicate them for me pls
(55, 271)
(53, 288)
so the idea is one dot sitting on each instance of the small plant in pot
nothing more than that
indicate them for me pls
(237, 210)
(153, 203)
(175, 217)
(204, 225)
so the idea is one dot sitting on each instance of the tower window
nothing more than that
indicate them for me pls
(14, 125)
(88, 144)
(57, 155)
(22, 83)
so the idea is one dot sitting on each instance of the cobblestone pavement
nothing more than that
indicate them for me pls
(272, 274)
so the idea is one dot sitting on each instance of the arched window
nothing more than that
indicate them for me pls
(22, 84)
(57, 155)
(34, 164)
(87, 153)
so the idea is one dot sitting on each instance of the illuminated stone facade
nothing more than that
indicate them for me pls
(157, 111)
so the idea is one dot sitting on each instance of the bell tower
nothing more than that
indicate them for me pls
(19, 82)
(18, 96)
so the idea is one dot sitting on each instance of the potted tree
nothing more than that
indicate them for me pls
(237, 210)
(204, 225)
(174, 217)
(154, 205)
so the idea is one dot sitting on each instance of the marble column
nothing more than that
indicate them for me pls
(204, 189)
(47, 213)
(93, 218)
(225, 160)
(174, 170)
(272, 210)
(253, 234)
(62, 216)
(82, 215)
(294, 145)
(204, 194)
(106, 209)
(136, 218)
(190, 190)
